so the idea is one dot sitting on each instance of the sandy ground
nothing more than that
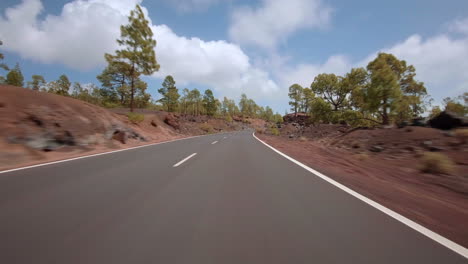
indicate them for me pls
(439, 202)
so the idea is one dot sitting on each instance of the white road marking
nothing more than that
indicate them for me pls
(184, 160)
(214, 142)
(421, 229)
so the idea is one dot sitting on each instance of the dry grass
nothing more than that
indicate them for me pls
(436, 163)
(274, 131)
(362, 156)
(206, 127)
(303, 139)
(135, 117)
(259, 131)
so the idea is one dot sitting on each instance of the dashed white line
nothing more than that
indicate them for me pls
(184, 160)
(214, 142)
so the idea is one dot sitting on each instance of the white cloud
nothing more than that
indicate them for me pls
(85, 30)
(440, 63)
(218, 64)
(78, 37)
(459, 26)
(275, 20)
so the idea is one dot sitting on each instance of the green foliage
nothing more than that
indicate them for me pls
(137, 56)
(277, 118)
(320, 110)
(274, 131)
(332, 89)
(206, 127)
(209, 103)
(295, 94)
(436, 163)
(2, 65)
(37, 82)
(114, 79)
(15, 77)
(457, 105)
(135, 117)
(229, 107)
(307, 97)
(170, 94)
(248, 107)
(229, 118)
(63, 85)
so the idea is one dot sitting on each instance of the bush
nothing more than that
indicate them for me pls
(111, 105)
(228, 119)
(274, 131)
(135, 117)
(206, 127)
(436, 163)
(259, 131)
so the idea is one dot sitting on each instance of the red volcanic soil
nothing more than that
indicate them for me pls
(391, 177)
(37, 127)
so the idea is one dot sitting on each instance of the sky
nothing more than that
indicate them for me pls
(238, 46)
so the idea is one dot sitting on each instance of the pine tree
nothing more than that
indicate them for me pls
(15, 77)
(37, 82)
(170, 94)
(209, 103)
(137, 53)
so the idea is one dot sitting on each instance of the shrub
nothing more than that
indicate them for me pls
(436, 163)
(259, 131)
(135, 117)
(206, 127)
(274, 131)
(228, 119)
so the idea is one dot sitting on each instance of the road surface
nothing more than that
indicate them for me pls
(234, 201)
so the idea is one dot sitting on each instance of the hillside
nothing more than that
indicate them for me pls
(36, 127)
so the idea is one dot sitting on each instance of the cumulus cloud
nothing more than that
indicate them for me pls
(85, 30)
(218, 64)
(275, 20)
(440, 63)
(78, 37)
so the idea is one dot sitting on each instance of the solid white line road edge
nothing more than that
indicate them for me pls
(421, 229)
(214, 142)
(184, 160)
(102, 153)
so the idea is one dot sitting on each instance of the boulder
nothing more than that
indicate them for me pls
(172, 121)
(120, 136)
(376, 148)
(447, 120)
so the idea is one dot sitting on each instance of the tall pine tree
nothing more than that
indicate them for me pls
(137, 54)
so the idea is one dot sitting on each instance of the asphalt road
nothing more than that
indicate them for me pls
(235, 201)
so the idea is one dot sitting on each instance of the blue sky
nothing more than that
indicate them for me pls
(234, 46)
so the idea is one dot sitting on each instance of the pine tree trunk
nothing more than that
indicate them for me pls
(132, 89)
